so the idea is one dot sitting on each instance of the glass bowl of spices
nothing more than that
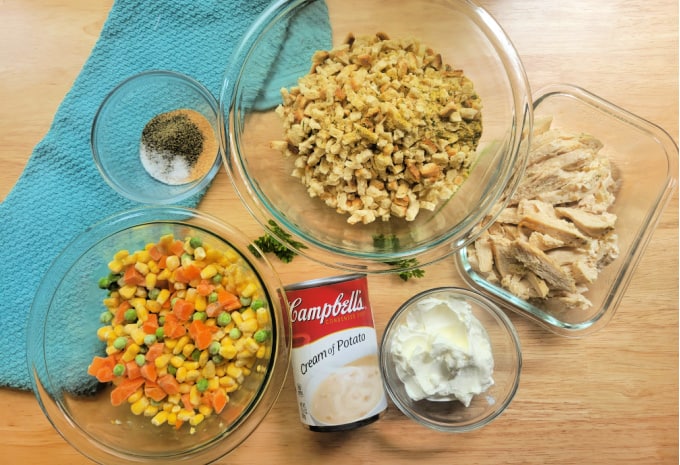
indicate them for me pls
(154, 137)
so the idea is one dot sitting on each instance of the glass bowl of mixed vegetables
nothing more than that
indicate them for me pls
(158, 335)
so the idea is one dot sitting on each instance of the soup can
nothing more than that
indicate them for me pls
(334, 355)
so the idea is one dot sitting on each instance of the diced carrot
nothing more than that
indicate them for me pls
(177, 248)
(153, 391)
(178, 424)
(102, 368)
(201, 334)
(169, 384)
(186, 400)
(213, 309)
(132, 276)
(192, 272)
(155, 253)
(151, 324)
(124, 390)
(183, 309)
(119, 316)
(172, 327)
(155, 351)
(204, 288)
(148, 371)
(228, 300)
(219, 400)
(132, 370)
(162, 262)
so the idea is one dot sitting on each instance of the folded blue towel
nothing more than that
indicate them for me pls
(60, 191)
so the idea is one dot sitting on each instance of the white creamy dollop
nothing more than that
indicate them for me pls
(442, 352)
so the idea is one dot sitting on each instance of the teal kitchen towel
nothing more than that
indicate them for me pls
(60, 191)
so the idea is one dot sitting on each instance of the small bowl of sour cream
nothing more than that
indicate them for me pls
(450, 359)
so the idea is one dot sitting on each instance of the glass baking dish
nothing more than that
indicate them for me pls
(644, 158)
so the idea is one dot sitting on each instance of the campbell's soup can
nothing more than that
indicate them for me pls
(334, 354)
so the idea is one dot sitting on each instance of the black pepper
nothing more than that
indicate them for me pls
(174, 134)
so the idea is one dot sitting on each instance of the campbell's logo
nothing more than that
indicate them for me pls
(342, 305)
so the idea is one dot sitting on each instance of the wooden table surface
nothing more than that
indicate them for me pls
(609, 398)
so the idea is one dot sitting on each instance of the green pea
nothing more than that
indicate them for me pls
(104, 282)
(235, 333)
(214, 348)
(119, 369)
(150, 339)
(257, 303)
(160, 333)
(261, 335)
(140, 359)
(202, 384)
(130, 314)
(212, 297)
(153, 293)
(106, 317)
(120, 342)
(172, 370)
(245, 301)
(217, 359)
(217, 278)
(161, 320)
(195, 242)
(199, 316)
(223, 319)
(195, 355)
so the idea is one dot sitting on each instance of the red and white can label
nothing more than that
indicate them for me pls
(335, 353)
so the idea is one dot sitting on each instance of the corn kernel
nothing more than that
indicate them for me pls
(176, 361)
(205, 410)
(193, 375)
(191, 365)
(153, 266)
(209, 271)
(249, 290)
(128, 291)
(195, 396)
(150, 410)
(200, 303)
(153, 306)
(196, 419)
(135, 396)
(162, 360)
(139, 406)
(184, 415)
(184, 388)
(262, 315)
(213, 383)
(237, 318)
(248, 326)
(172, 262)
(170, 344)
(181, 342)
(130, 353)
(172, 418)
(160, 418)
(164, 274)
(209, 369)
(116, 266)
(143, 256)
(150, 280)
(261, 352)
(234, 371)
(181, 374)
(143, 268)
(203, 358)
(188, 349)
(228, 352)
(110, 350)
(138, 335)
(174, 400)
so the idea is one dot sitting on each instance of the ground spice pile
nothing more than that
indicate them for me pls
(178, 147)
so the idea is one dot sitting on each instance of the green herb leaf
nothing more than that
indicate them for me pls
(270, 244)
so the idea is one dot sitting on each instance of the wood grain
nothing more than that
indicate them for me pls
(609, 398)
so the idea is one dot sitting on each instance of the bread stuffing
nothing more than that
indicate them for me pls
(381, 128)
(555, 235)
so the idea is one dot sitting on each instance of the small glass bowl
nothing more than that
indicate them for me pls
(467, 38)
(645, 164)
(64, 319)
(452, 416)
(117, 130)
